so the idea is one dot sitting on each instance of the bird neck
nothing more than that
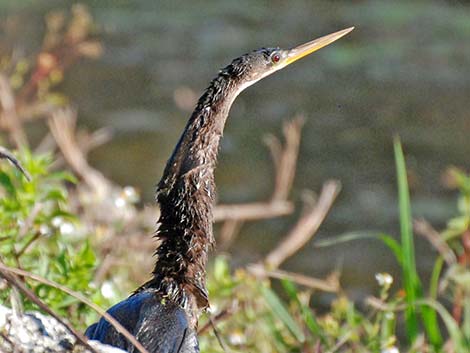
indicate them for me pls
(186, 194)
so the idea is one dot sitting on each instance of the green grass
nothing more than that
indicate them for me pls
(411, 282)
(410, 277)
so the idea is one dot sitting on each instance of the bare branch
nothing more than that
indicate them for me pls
(32, 111)
(341, 342)
(28, 223)
(331, 285)
(62, 126)
(228, 311)
(5, 337)
(228, 233)
(318, 348)
(86, 142)
(252, 211)
(89, 141)
(27, 245)
(379, 304)
(275, 148)
(9, 118)
(217, 335)
(305, 228)
(287, 158)
(423, 228)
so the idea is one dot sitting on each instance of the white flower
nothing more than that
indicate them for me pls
(107, 290)
(237, 338)
(389, 315)
(119, 202)
(44, 230)
(57, 221)
(384, 279)
(67, 228)
(130, 194)
(391, 349)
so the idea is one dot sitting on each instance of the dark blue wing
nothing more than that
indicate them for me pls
(161, 328)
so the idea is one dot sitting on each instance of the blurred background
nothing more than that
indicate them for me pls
(404, 70)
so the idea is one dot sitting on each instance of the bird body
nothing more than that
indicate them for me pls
(163, 326)
(163, 312)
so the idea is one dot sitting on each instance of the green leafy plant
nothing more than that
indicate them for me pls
(41, 235)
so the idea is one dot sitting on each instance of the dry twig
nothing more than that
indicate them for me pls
(9, 119)
(423, 228)
(341, 342)
(285, 156)
(62, 124)
(285, 160)
(222, 315)
(28, 223)
(5, 337)
(332, 285)
(379, 304)
(305, 228)
(217, 336)
(252, 211)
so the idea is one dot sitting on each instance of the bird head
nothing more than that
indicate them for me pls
(254, 66)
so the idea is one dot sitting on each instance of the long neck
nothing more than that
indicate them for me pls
(186, 195)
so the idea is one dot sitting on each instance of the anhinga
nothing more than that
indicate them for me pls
(163, 312)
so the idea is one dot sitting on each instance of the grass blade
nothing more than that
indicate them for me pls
(344, 238)
(351, 236)
(411, 280)
(394, 246)
(434, 282)
(466, 318)
(307, 314)
(281, 312)
(453, 328)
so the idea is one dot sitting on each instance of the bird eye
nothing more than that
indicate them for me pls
(275, 58)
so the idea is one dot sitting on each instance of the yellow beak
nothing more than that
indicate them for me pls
(310, 47)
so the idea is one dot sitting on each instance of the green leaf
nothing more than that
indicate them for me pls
(86, 255)
(434, 282)
(394, 246)
(307, 314)
(56, 195)
(411, 280)
(66, 302)
(220, 269)
(351, 236)
(466, 318)
(282, 314)
(344, 238)
(451, 325)
(278, 339)
(7, 184)
(63, 176)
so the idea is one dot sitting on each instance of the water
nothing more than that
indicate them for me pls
(404, 70)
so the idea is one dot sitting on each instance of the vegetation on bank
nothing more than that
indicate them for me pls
(43, 233)
(59, 225)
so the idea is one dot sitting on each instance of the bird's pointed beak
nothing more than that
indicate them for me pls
(312, 46)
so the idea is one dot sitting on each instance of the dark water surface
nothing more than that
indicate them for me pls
(404, 70)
